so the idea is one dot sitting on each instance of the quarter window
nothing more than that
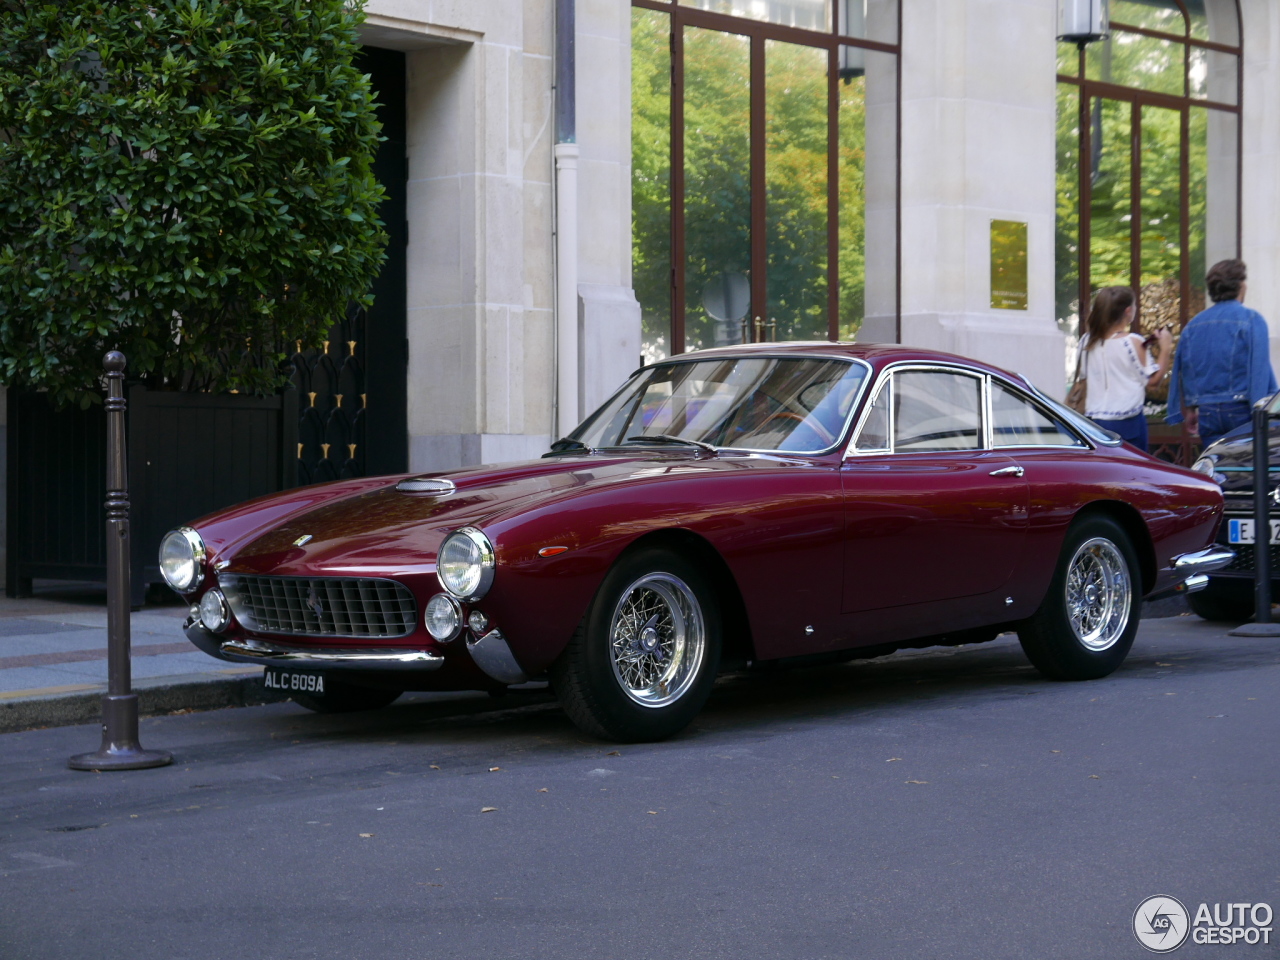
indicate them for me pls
(935, 410)
(1016, 423)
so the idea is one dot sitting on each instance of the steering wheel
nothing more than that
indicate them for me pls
(823, 433)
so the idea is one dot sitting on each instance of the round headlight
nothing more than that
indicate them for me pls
(443, 617)
(465, 564)
(213, 611)
(182, 556)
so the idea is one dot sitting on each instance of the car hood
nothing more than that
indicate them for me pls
(369, 527)
(1234, 459)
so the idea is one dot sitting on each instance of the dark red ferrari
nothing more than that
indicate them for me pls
(736, 505)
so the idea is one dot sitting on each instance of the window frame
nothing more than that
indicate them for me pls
(1031, 397)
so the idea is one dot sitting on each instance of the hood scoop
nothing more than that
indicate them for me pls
(433, 486)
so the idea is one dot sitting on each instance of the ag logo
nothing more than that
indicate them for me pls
(1161, 924)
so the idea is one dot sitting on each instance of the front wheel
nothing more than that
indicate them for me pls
(1087, 621)
(642, 662)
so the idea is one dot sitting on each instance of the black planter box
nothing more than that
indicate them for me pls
(189, 454)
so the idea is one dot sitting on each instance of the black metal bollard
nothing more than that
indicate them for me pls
(1261, 516)
(1262, 625)
(120, 749)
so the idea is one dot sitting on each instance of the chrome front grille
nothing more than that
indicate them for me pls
(321, 607)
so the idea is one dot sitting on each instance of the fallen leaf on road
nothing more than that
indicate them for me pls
(366, 836)
(488, 809)
(1055, 751)
(654, 812)
(891, 759)
(494, 769)
(434, 767)
(542, 789)
(1094, 776)
(1159, 664)
(613, 753)
(915, 781)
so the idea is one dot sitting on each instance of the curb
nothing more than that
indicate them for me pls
(156, 696)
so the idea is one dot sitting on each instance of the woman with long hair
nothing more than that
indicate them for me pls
(1116, 367)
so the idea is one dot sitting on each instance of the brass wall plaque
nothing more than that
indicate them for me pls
(1008, 265)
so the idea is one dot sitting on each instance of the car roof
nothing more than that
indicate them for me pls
(877, 354)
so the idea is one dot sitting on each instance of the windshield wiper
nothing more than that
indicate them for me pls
(568, 445)
(668, 438)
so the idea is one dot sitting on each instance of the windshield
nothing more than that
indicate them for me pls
(796, 405)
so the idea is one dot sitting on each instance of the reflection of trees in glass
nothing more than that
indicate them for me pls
(717, 181)
(1067, 237)
(717, 151)
(852, 257)
(651, 178)
(1110, 214)
(796, 190)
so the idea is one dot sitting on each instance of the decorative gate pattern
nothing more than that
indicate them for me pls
(332, 403)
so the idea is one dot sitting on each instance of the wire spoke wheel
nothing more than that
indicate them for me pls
(1099, 594)
(657, 639)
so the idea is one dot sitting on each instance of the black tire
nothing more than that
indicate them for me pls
(1107, 584)
(1225, 598)
(340, 697)
(624, 690)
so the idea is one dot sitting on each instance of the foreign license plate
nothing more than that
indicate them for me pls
(1241, 531)
(291, 681)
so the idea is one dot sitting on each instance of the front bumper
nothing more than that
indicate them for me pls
(272, 653)
(1193, 568)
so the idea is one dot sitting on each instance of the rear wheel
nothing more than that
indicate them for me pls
(340, 697)
(1087, 621)
(1225, 598)
(642, 662)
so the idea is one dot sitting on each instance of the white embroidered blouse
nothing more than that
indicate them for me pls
(1115, 379)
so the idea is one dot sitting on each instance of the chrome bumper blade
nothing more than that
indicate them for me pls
(1202, 561)
(367, 658)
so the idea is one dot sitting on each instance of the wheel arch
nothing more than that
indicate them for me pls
(737, 642)
(1131, 522)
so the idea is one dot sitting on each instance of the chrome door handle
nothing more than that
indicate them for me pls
(1014, 471)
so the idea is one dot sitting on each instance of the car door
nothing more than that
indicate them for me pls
(931, 511)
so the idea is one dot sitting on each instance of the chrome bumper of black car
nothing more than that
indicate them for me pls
(271, 653)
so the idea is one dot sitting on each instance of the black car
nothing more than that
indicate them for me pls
(1229, 594)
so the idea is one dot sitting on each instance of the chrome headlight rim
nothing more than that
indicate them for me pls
(458, 619)
(486, 565)
(198, 556)
(218, 609)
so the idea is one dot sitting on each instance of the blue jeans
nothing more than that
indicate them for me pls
(1219, 418)
(1132, 429)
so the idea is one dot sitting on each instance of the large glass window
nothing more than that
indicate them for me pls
(765, 163)
(1148, 148)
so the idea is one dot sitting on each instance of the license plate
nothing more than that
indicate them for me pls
(1241, 531)
(290, 681)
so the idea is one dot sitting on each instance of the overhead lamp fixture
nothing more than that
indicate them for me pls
(1083, 21)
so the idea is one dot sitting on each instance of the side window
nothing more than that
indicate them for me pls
(936, 410)
(874, 435)
(1016, 423)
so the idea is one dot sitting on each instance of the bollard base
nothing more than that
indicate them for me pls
(1255, 630)
(120, 749)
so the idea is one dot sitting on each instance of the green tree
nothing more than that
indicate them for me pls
(189, 181)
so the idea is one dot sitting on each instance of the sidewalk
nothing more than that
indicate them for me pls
(53, 661)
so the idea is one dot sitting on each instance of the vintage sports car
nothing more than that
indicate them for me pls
(1229, 594)
(735, 506)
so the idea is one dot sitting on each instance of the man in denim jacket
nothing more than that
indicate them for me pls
(1223, 362)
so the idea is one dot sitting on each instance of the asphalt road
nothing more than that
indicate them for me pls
(939, 804)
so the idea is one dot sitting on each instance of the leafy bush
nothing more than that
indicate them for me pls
(189, 181)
